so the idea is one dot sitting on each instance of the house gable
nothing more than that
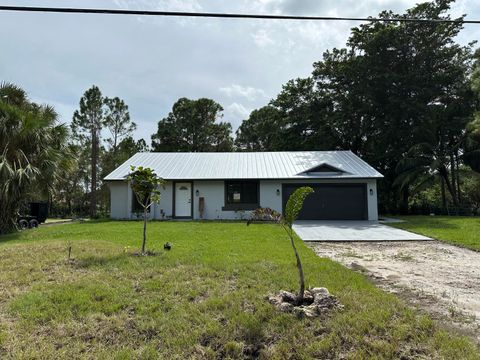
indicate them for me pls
(323, 169)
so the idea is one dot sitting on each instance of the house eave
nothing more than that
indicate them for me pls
(267, 179)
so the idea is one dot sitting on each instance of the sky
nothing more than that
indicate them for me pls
(150, 62)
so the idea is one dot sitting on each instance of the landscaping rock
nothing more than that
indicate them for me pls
(316, 301)
(319, 291)
(308, 297)
(285, 307)
(308, 311)
(288, 296)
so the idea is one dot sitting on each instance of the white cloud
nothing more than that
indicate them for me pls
(165, 5)
(262, 38)
(150, 64)
(238, 110)
(247, 92)
(235, 113)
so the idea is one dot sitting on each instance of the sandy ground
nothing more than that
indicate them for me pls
(441, 279)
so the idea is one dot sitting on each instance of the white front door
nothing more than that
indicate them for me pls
(183, 199)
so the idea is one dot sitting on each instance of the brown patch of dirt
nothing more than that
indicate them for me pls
(442, 279)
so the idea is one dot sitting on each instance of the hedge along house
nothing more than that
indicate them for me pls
(229, 185)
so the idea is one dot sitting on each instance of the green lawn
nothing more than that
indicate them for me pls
(456, 230)
(203, 299)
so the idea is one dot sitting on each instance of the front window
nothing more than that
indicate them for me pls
(241, 195)
(137, 208)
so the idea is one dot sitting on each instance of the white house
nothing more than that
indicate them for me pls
(228, 185)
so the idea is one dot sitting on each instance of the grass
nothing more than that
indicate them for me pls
(456, 230)
(203, 299)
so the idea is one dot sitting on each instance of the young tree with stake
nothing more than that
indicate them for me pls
(145, 185)
(292, 209)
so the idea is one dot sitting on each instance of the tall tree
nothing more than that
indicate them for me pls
(257, 132)
(86, 126)
(472, 139)
(295, 120)
(32, 146)
(375, 97)
(192, 126)
(392, 80)
(126, 148)
(117, 120)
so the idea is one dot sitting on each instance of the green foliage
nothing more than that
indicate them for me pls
(295, 203)
(264, 214)
(471, 155)
(472, 141)
(32, 151)
(145, 185)
(255, 133)
(117, 120)
(95, 113)
(471, 188)
(398, 95)
(206, 298)
(112, 157)
(87, 124)
(89, 119)
(191, 126)
(292, 209)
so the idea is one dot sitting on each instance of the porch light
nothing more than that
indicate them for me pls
(278, 192)
(371, 192)
(197, 193)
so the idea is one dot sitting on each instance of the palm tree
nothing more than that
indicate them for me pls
(31, 146)
(429, 161)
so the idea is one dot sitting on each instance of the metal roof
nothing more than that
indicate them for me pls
(248, 165)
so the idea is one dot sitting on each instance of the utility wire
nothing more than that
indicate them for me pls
(223, 15)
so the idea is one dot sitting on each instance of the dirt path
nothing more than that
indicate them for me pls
(439, 278)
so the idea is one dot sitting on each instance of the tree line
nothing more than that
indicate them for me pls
(403, 96)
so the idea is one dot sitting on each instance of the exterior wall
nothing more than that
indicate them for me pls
(372, 200)
(214, 194)
(121, 196)
(165, 204)
(119, 200)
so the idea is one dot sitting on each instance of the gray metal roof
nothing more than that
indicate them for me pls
(248, 165)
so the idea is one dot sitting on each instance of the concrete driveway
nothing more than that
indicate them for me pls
(316, 230)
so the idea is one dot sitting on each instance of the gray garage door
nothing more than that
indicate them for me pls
(332, 201)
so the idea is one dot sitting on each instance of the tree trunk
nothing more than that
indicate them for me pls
(69, 205)
(300, 270)
(444, 174)
(93, 180)
(115, 162)
(454, 179)
(457, 163)
(444, 198)
(144, 242)
(405, 196)
(8, 215)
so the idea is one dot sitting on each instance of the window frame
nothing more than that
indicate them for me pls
(136, 206)
(240, 206)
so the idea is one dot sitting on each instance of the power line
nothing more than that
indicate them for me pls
(223, 15)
